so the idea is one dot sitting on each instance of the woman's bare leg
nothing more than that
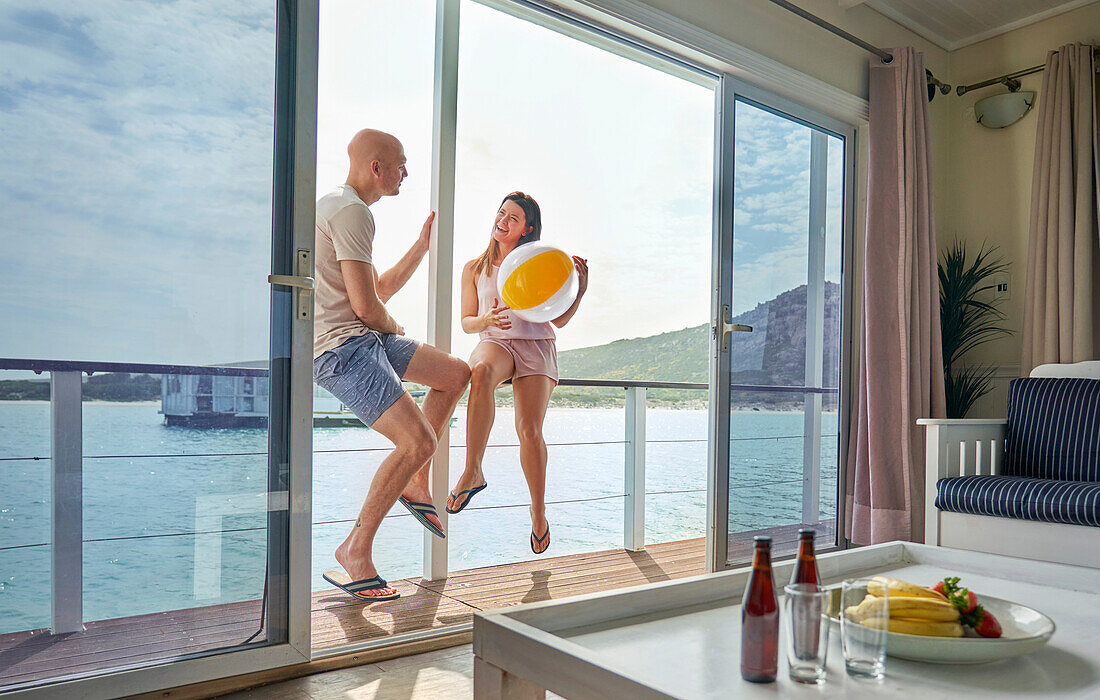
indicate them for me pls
(532, 396)
(490, 365)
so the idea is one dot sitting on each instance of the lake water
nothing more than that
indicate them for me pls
(148, 488)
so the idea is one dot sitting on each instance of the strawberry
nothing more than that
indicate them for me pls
(971, 602)
(961, 598)
(988, 625)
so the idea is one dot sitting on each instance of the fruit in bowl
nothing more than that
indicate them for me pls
(944, 610)
(950, 627)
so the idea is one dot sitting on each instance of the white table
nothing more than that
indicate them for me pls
(681, 639)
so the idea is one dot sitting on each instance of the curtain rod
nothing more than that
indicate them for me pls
(886, 56)
(1009, 79)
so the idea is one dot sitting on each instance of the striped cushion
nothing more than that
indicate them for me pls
(1047, 500)
(1053, 429)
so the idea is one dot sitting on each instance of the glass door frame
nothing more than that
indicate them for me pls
(291, 417)
(718, 459)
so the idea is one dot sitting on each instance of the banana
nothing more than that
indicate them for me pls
(870, 607)
(923, 609)
(880, 585)
(908, 608)
(924, 628)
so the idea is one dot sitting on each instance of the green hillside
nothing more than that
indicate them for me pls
(676, 356)
(111, 386)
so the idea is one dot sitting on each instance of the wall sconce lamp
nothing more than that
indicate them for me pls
(1007, 108)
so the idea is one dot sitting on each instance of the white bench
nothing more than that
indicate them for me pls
(968, 446)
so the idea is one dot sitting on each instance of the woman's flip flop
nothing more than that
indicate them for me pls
(359, 588)
(420, 511)
(535, 539)
(465, 503)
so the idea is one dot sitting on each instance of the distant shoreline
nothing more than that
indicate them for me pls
(91, 402)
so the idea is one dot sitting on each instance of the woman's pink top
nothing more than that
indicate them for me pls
(520, 330)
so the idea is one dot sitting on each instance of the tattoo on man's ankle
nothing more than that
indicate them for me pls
(357, 521)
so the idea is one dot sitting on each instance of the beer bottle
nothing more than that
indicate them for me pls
(805, 567)
(760, 619)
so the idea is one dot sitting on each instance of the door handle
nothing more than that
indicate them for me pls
(303, 307)
(729, 327)
(291, 281)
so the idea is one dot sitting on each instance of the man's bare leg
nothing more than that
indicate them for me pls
(447, 377)
(414, 443)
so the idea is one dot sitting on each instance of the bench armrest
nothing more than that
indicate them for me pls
(962, 421)
(958, 447)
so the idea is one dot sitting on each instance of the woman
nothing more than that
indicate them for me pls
(510, 348)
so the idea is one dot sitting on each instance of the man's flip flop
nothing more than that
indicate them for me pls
(358, 588)
(535, 539)
(419, 511)
(465, 503)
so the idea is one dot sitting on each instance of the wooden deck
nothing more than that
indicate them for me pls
(338, 620)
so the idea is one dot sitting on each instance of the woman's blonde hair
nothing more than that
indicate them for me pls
(533, 217)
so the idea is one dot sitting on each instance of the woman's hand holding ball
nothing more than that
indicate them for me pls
(582, 274)
(497, 316)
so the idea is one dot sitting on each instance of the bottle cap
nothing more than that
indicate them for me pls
(762, 540)
(807, 532)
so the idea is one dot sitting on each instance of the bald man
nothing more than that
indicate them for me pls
(361, 354)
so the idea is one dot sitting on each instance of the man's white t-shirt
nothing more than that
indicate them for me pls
(345, 231)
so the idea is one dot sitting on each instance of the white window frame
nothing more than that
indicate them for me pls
(718, 463)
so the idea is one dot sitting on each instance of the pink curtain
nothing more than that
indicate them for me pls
(900, 353)
(1062, 291)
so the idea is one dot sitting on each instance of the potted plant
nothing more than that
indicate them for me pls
(968, 318)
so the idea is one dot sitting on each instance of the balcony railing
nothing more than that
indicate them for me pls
(66, 458)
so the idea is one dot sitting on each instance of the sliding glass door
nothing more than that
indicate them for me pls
(154, 462)
(780, 310)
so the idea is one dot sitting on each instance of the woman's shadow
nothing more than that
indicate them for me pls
(540, 587)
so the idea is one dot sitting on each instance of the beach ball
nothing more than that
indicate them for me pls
(538, 282)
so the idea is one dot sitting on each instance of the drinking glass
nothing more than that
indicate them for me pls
(807, 627)
(863, 630)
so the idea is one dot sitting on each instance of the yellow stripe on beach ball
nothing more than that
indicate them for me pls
(536, 279)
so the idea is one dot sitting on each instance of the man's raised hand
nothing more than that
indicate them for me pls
(426, 231)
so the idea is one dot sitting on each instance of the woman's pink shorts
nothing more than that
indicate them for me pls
(530, 356)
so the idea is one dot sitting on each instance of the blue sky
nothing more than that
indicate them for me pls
(135, 171)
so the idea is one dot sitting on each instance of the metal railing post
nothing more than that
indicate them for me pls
(67, 486)
(634, 472)
(815, 328)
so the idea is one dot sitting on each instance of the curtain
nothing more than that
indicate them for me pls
(901, 355)
(1061, 290)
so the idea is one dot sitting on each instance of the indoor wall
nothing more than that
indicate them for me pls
(988, 198)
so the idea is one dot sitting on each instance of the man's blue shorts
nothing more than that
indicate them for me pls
(365, 372)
